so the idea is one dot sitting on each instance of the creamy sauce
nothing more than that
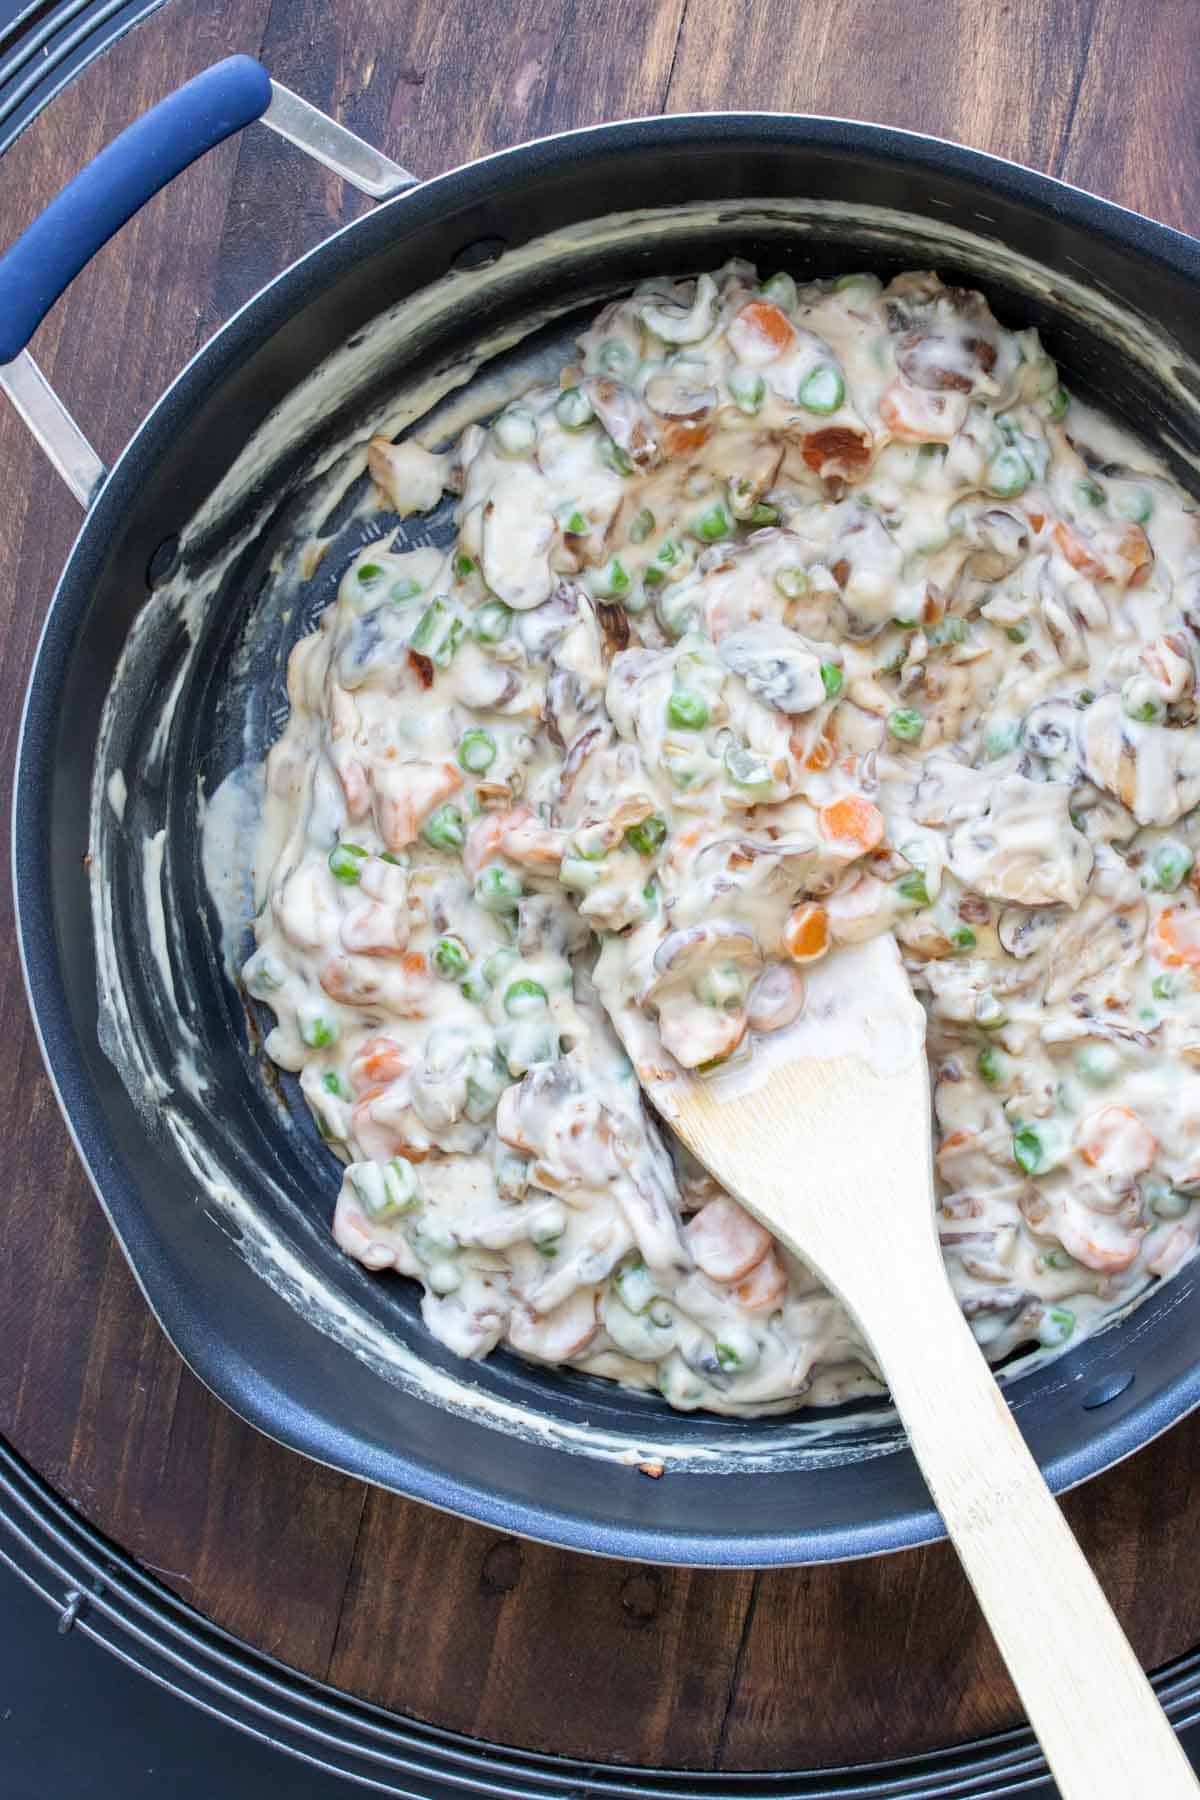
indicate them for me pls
(779, 622)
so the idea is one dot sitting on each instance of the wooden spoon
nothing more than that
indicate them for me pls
(824, 1135)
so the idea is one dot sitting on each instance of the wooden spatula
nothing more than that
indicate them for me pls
(825, 1136)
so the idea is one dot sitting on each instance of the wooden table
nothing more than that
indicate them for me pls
(490, 1635)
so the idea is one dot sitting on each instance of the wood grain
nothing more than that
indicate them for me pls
(388, 1600)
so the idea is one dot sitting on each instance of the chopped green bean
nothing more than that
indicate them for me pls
(832, 680)
(491, 622)
(963, 939)
(781, 289)
(748, 770)
(612, 454)
(476, 750)
(648, 835)
(714, 524)
(641, 526)
(1008, 474)
(992, 1066)
(913, 888)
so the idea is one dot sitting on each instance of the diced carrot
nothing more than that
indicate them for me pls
(916, 416)
(684, 435)
(764, 329)
(806, 934)
(1134, 549)
(415, 963)
(1077, 552)
(1176, 938)
(725, 1241)
(1115, 1139)
(380, 1060)
(1036, 517)
(483, 840)
(853, 820)
(764, 1287)
(824, 750)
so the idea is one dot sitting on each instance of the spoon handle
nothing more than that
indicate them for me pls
(1099, 1723)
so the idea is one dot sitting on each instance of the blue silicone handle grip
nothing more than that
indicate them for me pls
(46, 258)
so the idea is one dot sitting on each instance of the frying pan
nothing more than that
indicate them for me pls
(159, 675)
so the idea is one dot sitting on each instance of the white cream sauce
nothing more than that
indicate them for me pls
(782, 621)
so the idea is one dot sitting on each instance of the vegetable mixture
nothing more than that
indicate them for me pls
(790, 616)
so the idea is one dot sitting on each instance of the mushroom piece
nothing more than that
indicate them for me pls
(680, 393)
(409, 476)
(1022, 846)
(623, 417)
(702, 975)
(1048, 730)
(676, 322)
(777, 666)
(1024, 930)
(1151, 769)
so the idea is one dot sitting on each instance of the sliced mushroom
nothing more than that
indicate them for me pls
(409, 476)
(1024, 930)
(623, 416)
(676, 394)
(1049, 730)
(776, 665)
(678, 322)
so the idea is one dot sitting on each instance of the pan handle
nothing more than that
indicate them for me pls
(113, 187)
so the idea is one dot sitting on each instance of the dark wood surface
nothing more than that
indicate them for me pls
(386, 1599)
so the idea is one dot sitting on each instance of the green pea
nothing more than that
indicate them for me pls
(727, 1357)
(318, 1031)
(653, 577)
(450, 958)
(687, 710)
(669, 552)
(573, 522)
(611, 581)
(491, 622)
(515, 431)
(1084, 698)
(1137, 505)
(614, 457)
(1008, 474)
(1028, 1149)
(524, 996)
(636, 1287)
(907, 724)
(404, 589)
(476, 750)
(1058, 402)
(1057, 1326)
(346, 861)
(990, 1013)
(1163, 987)
(992, 1066)
(791, 581)
(497, 965)
(1148, 711)
(573, 409)
(262, 975)
(963, 939)
(497, 889)
(464, 565)
(1090, 492)
(1018, 633)
(1098, 1064)
(762, 514)
(781, 290)
(475, 987)
(369, 573)
(913, 888)
(748, 389)
(1169, 866)
(616, 358)
(648, 836)
(832, 680)
(822, 390)
(641, 525)
(1167, 1202)
(714, 524)
(331, 1083)
(1000, 737)
(445, 829)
